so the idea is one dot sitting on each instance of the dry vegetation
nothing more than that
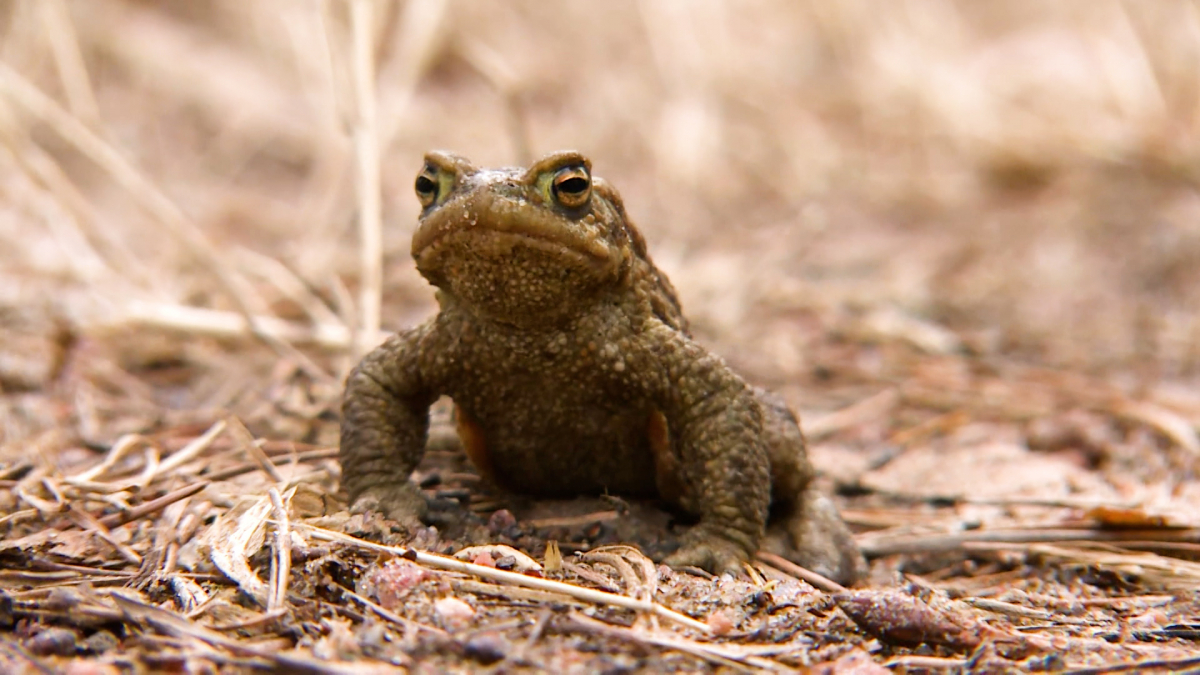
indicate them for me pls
(960, 237)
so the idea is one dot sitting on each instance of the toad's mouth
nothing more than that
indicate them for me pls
(496, 226)
(500, 243)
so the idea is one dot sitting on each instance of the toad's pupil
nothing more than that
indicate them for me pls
(425, 184)
(572, 186)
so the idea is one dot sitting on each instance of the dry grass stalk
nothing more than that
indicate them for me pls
(418, 35)
(69, 62)
(24, 94)
(216, 323)
(365, 130)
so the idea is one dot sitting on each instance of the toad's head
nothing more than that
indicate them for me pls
(524, 247)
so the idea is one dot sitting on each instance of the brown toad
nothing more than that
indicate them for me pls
(572, 372)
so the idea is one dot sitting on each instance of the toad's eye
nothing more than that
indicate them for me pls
(427, 187)
(572, 186)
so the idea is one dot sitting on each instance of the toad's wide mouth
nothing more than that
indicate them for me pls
(494, 224)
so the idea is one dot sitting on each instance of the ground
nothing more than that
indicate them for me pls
(958, 238)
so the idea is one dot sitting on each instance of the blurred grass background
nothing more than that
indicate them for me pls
(1012, 179)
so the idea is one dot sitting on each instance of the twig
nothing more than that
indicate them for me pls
(193, 448)
(443, 562)
(391, 616)
(17, 516)
(152, 506)
(281, 569)
(366, 149)
(261, 620)
(42, 578)
(936, 543)
(573, 521)
(1137, 666)
(535, 634)
(90, 524)
(175, 625)
(244, 441)
(709, 652)
(123, 446)
(22, 490)
(247, 467)
(531, 595)
(930, 662)
(816, 580)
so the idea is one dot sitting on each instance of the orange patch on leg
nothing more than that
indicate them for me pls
(471, 436)
(666, 465)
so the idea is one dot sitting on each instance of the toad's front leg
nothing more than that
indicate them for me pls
(715, 465)
(385, 419)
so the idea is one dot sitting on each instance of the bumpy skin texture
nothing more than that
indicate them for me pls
(572, 372)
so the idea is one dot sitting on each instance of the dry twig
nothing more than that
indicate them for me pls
(442, 562)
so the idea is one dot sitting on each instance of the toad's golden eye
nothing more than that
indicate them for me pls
(427, 187)
(572, 186)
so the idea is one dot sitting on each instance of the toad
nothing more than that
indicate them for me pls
(572, 371)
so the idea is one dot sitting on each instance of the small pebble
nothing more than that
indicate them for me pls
(501, 521)
(454, 612)
(391, 582)
(719, 622)
(54, 642)
(100, 642)
(486, 648)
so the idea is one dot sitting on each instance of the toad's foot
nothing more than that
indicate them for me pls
(711, 550)
(401, 502)
(815, 537)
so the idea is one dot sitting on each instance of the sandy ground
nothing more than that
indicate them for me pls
(959, 238)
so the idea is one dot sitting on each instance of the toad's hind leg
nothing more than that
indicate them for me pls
(804, 525)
